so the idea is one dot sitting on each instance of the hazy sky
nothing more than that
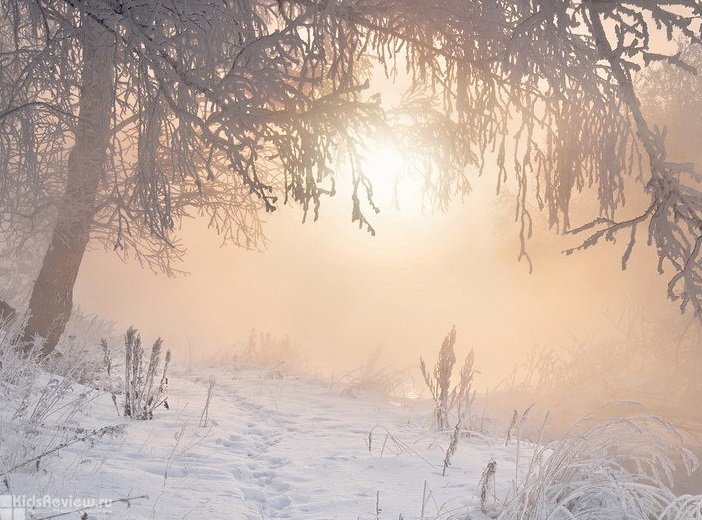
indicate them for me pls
(339, 292)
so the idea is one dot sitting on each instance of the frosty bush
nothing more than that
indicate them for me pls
(40, 410)
(651, 360)
(79, 353)
(439, 382)
(14, 367)
(265, 350)
(372, 376)
(142, 393)
(620, 469)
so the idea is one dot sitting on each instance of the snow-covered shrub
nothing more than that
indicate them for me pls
(439, 382)
(277, 354)
(372, 377)
(650, 359)
(79, 353)
(15, 368)
(621, 469)
(40, 412)
(142, 393)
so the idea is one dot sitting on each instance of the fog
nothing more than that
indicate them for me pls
(351, 259)
(340, 293)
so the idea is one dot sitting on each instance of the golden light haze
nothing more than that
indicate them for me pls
(340, 293)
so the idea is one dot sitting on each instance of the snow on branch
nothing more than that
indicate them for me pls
(229, 108)
(674, 217)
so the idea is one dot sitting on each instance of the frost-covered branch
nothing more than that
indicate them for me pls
(227, 109)
(675, 215)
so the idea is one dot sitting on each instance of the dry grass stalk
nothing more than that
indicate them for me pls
(453, 445)
(439, 382)
(512, 424)
(107, 359)
(141, 395)
(487, 482)
(204, 418)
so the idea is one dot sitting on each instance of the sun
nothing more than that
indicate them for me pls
(396, 183)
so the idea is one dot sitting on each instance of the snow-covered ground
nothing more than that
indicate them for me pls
(274, 448)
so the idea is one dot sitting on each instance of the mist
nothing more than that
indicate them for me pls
(346, 259)
(340, 293)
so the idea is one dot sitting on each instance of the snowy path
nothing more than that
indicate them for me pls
(277, 449)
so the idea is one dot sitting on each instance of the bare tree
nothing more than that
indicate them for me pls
(118, 118)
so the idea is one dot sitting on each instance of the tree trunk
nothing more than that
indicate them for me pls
(51, 301)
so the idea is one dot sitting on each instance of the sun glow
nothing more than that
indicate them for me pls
(396, 183)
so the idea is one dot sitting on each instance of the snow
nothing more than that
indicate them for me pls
(274, 448)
